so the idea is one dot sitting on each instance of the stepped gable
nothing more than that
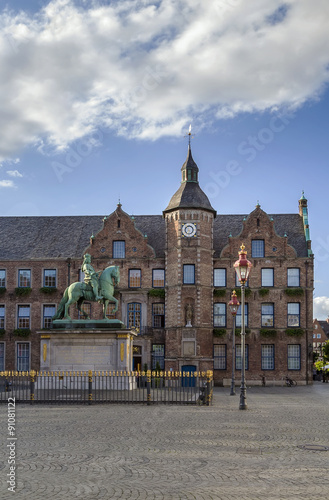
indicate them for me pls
(290, 224)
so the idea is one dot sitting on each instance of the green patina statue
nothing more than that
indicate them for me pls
(91, 276)
(94, 288)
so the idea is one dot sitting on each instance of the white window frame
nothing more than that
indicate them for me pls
(220, 277)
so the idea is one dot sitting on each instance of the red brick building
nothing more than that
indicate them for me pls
(177, 276)
(320, 334)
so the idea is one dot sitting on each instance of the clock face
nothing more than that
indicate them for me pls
(189, 229)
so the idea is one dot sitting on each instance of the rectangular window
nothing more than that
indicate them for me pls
(158, 278)
(24, 278)
(219, 357)
(48, 312)
(2, 318)
(257, 248)
(119, 249)
(134, 315)
(135, 277)
(158, 315)
(318, 335)
(294, 357)
(23, 319)
(268, 314)
(220, 315)
(238, 358)
(49, 278)
(219, 277)
(238, 319)
(2, 278)
(23, 357)
(2, 356)
(267, 277)
(110, 314)
(158, 356)
(293, 276)
(268, 357)
(293, 314)
(86, 307)
(188, 274)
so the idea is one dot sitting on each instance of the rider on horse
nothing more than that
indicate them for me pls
(91, 276)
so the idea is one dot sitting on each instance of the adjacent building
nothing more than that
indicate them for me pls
(177, 277)
(320, 334)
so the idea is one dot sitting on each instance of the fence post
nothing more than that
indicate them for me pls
(208, 395)
(90, 387)
(32, 384)
(148, 386)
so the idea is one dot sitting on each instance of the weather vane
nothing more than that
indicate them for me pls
(189, 135)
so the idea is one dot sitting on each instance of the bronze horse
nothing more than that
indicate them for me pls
(80, 291)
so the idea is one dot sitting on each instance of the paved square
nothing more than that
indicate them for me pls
(171, 453)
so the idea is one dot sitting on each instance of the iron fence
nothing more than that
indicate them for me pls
(151, 387)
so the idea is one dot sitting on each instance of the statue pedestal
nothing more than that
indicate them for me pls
(83, 349)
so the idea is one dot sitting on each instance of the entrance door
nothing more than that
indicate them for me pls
(137, 363)
(137, 358)
(190, 380)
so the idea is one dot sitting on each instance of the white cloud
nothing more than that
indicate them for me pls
(7, 184)
(14, 173)
(146, 69)
(321, 308)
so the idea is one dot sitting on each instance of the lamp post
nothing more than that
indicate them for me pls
(234, 306)
(242, 269)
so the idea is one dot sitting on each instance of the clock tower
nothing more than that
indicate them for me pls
(189, 274)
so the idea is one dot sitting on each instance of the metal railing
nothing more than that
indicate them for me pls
(151, 387)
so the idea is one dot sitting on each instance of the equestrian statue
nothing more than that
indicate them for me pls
(96, 287)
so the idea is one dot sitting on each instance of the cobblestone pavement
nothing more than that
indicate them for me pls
(174, 452)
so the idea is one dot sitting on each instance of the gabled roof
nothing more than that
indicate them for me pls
(325, 327)
(24, 238)
(290, 224)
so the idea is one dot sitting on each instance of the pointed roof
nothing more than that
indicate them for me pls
(189, 194)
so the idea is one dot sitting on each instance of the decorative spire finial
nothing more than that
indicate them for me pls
(189, 135)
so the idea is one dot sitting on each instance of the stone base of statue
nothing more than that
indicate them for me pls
(80, 346)
(87, 324)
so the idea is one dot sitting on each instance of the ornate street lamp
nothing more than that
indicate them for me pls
(242, 268)
(234, 306)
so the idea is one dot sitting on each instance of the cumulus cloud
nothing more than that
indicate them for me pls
(7, 184)
(321, 308)
(14, 173)
(146, 69)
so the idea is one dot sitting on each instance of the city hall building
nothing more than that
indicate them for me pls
(176, 280)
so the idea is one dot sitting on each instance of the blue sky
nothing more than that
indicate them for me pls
(96, 97)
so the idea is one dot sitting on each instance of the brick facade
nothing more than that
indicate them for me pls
(320, 334)
(175, 320)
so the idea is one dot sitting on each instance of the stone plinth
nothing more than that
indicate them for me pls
(83, 349)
